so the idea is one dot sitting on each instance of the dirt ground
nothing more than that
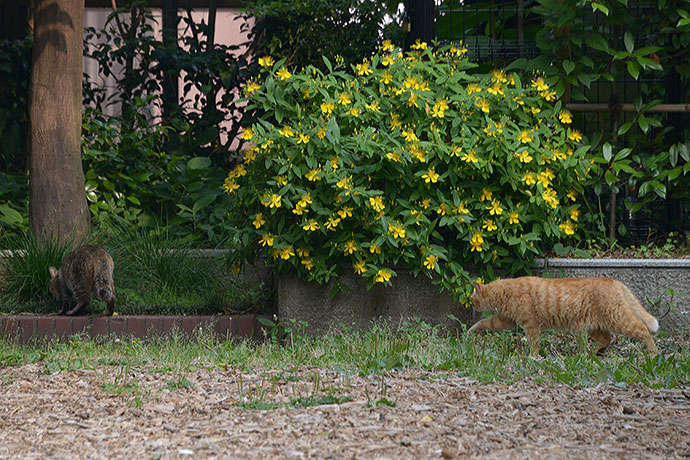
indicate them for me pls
(109, 413)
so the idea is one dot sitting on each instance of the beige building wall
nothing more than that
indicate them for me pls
(228, 24)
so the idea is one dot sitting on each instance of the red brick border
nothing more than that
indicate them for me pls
(25, 328)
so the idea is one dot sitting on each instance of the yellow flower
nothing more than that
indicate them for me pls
(345, 212)
(393, 156)
(572, 194)
(397, 230)
(387, 77)
(482, 104)
(267, 61)
(489, 225)
(529, 179)
(473, 88)
(410, 135)
(565, 116)
(327, 108)
(513, 217)
(548, 96)
(524, 156)
(344, 99)
(430, 262)
(495, 208)
(412, 101)
(477, 242)
(258, 220)
(574, 214)
(568, 228)
(281, 180)
(575, 135)
(350, 248)
(247, 134)
(311, 226)
(395, 122)
(374, 249)
(545, 177)
(230, 185)
(271, 200)
(321, 134)
(286, 252)
(238, 171)
(376, 203)
(550, 197)
(426, 202)
(332, 223)
(303, 139)
(266, 240)
(345, 183)
(359, 267)
(419, 45)
(334, 163)
(302, 252)
(286, 131)
(470, 157)
(387, 45)
(283, 74)
(486, 194)
(498, 76)
(540, 84)
(373, 107)
(462, 209)
(311, 175)
(383, 276)
(524, 137)
(308, 264)
(430, 176)
(251, 87)
(442, 210)
(363, 69)
(354, 111)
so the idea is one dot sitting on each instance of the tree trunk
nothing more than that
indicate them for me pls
(57, 200)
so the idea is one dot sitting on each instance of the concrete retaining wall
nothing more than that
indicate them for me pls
(410, 297)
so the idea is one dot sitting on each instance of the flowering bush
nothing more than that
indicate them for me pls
(407, 161)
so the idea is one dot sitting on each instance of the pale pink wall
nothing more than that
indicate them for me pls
(227, 32)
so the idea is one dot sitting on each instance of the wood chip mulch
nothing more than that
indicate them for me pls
(114, 413)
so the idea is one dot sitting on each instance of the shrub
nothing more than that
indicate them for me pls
(406, 161)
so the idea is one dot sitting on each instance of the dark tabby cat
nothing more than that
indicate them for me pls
(85, 272)
(600, 306)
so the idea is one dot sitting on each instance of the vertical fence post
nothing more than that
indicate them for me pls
(421, 14)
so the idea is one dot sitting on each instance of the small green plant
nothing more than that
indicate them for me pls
(24, 268)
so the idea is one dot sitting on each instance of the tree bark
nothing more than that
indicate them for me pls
(57, 200)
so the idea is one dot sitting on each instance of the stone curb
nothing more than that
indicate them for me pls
(25, 328)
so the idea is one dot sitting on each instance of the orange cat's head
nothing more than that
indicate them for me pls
(479, 298)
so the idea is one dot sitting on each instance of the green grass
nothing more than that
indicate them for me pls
(379, 351)
(154, 274)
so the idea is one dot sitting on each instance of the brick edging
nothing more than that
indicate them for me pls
(25, 328)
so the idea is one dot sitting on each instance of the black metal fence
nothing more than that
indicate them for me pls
(498, 33)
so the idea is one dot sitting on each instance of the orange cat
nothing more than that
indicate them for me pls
(599, 306)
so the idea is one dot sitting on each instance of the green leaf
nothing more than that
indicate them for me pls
(568, 66)
(606, 151)
(628, 41)
(199, 163)
(600, 7)
(597, 42)
(9, 216)
(633, 69)
(625, 128)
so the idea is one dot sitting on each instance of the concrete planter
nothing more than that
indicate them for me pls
(411, 297)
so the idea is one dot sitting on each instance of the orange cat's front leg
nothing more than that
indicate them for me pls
(495, 323)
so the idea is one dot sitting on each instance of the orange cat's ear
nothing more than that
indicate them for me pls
(477, 286)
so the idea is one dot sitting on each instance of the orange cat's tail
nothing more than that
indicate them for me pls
(639, 311)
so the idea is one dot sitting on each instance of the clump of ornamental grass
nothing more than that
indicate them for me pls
(404, 161)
